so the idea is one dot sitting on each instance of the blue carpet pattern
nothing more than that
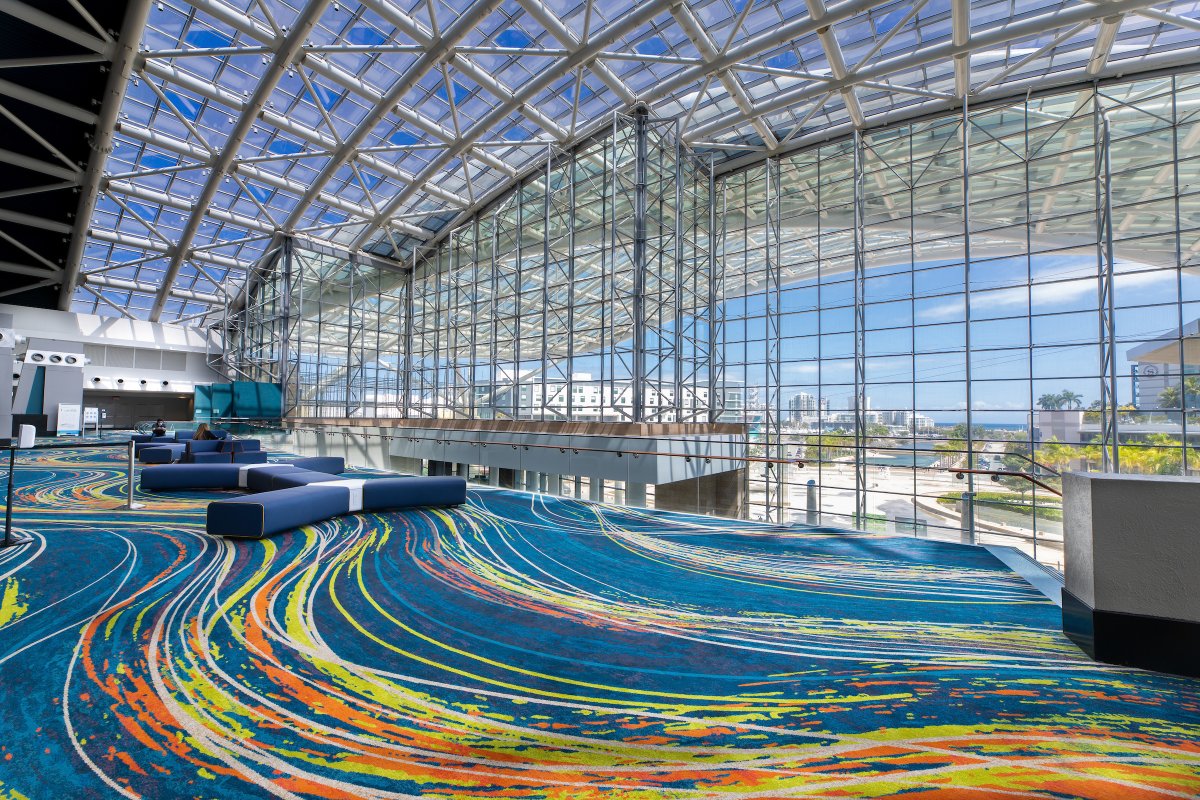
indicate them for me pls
(526, 646)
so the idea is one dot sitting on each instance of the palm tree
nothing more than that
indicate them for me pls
(1170, 397)
(1055, 455)
(1070, 400)
(1050, 401)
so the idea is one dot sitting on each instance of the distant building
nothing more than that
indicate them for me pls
(1155, 365)
(802, 405)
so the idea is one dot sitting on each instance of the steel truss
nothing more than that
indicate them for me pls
(1110, 453)
(326, 328)
(510, 308)
(860, 334)
(772, 435)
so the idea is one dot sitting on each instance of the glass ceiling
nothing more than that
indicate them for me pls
(374, 126)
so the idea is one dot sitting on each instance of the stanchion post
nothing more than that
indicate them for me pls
(968, 518)
(129, 503)
(12, 463)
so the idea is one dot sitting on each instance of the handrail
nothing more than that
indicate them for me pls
(1036, 464)
(959, 473)
(800, 463)
(561, 448)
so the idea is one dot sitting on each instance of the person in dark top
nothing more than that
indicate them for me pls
(159, 429)
(202, 432)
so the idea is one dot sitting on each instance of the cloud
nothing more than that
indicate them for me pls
(1046, 294)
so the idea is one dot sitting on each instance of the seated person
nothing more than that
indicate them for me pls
(159, 429)
(202, 432)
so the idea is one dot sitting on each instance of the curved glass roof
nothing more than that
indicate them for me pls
(373, 126)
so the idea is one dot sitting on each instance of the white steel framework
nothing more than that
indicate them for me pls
(382, 126)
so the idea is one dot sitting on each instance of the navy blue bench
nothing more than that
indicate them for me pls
(160, 453)
(255, 477)
(258, 515)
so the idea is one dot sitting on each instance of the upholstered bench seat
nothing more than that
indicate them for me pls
(300, 477)
(255, 477)
(142, 441)
(155, 453)
(258, 515)
(325, 465)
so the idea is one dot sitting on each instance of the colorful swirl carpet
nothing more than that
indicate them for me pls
(532, 647)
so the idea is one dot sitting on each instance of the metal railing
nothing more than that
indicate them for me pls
(13, 449)
(1026, 521)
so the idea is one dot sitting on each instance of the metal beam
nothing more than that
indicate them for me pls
(141, 287)
(410, 27)
(995, 36)
(26, 269)
(798, 28)
(301, 28)
(54, 25)
(960, 34)
(620, 27)
(244, 168)
(353, 83)
(114, 93)
(555, 27)
(31, 221)
(29, 287)
(37, 165)
(132, 242)
(435, 53)
(707, 48)
(46, 102)
(1106, 36)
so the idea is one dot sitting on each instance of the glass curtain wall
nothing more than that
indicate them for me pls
(1013, 290)
(329, 329)
(585, 294)
(951, 305)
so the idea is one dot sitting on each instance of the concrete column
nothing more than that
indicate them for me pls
(494, 476)
(578, 487)
(635, 494)
(464, 470)
(1131, 563)
(531, 480)
(597, 490)
(555, 487)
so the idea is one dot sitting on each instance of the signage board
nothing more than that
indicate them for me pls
(69, 417)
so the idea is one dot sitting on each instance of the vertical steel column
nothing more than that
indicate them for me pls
(407, 334)
(1032, 445)
(519, 285)
(353, 334)
(966, 216)
(286, 326)
(680, 283)
(494, 323)
(640, 122)
(1183, 395)
(1109, 433)
(298, 277)
(12, 468)
(436, 323)
(772, 407)
(571, 218)
(472, 347)
(716, 350)
(546, 255)
(860, 388)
